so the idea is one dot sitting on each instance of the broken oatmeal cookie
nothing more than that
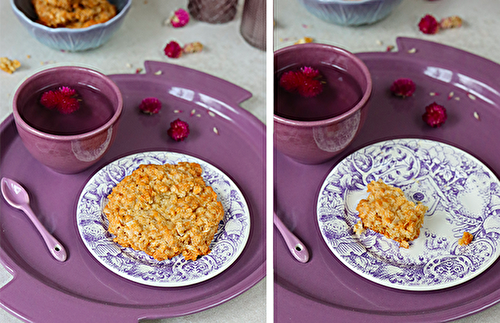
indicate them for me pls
(387, 211)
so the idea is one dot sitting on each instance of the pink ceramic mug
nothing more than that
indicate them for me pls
(73, 142)
(322, 126)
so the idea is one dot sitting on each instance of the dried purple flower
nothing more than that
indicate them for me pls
(178, 130)
(403, 87)
(435, 115)
(150, 105)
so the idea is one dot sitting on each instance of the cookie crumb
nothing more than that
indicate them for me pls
(466, 239)
(9, 66)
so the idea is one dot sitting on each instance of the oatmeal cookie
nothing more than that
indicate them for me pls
(387, 211)
(165, 210)
(73, 13)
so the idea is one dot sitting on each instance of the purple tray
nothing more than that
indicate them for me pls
(81, 289)
(324, 289)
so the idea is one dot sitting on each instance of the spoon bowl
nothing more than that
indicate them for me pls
(17, 197)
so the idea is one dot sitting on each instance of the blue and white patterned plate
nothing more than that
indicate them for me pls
(462, 195)
(137, 266)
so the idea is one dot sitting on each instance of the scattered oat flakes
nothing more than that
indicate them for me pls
(177, 111)
(128, 65)
(210, 113)
(379, 42)
(476, 115)
(198, 115)
(412, 51)
(216, 130)
(9, 66)
(433, 94)
(304, 40)
(457, 98)
(472, 97)
(158, 72)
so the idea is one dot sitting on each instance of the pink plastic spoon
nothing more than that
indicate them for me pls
(296, 247)
(17, 197)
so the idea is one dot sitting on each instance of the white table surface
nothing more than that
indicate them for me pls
(143, 37)
(480, 34)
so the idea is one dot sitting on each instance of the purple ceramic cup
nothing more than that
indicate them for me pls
(315, 142)
(72, 153)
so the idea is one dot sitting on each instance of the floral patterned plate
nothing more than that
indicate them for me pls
(462, 195)
(228, 243)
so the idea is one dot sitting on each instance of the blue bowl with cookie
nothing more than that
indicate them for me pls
(71, 25)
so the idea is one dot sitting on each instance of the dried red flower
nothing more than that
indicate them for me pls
(403, 87)
(50, 99)
(178, 130)
(67, 91)
(304, 81)
(62, 99)
(173, 50)
(435, 115)
(428, 25)
(150, 105)
(180, 18)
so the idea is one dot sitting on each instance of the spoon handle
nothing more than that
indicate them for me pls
(56, 249)
(296, 247)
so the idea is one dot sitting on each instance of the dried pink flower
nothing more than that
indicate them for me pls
(178, 130)
(428, 25)
(435, 115)
(403, 87)
(173, 50)
(309, 87)
(180, 18)
(50, 99)
(309, 72)
(63, 100)
(67, 91)
(68, 105)
(150, 105)
(305, 81)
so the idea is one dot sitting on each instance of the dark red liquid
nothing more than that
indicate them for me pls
(340, 93)
(95, 110)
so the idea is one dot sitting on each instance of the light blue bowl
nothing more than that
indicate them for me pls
(70, 39)
(350, 13)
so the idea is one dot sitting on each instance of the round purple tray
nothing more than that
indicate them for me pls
(81, 289)
(324, 288)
